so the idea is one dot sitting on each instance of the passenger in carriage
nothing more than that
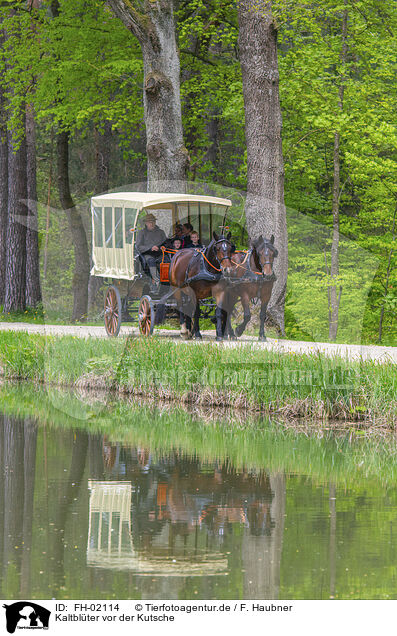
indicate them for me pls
(187, 229)
(178, 235)
(194, 236)
(148, 244)
(177, 244)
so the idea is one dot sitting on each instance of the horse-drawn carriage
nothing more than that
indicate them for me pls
(153, 283)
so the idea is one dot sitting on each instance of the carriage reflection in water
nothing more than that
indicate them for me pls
(110, 539)
(117, 222)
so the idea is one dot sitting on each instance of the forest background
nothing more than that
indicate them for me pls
(71, 104)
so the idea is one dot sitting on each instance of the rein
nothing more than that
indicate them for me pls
(165, 251)
(222, 259)
(247, 254)
(206, 259)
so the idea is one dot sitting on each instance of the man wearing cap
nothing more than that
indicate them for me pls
(148, 243)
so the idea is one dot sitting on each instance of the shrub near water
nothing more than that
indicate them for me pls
(240, 376)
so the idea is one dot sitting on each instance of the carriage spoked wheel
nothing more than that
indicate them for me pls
(112, 311)
(146, 315)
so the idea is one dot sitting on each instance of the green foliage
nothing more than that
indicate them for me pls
(311, 77)
(83, 68)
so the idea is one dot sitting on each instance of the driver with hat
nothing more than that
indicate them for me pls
(148, 243)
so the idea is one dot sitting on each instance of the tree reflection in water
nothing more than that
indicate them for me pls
(168, 516)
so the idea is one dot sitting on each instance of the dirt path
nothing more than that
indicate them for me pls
(352, 352)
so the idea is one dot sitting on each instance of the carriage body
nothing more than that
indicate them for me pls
(116, 220)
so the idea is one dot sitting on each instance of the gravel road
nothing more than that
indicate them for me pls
(352, 352)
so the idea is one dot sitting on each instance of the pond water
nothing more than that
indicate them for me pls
(133, 502)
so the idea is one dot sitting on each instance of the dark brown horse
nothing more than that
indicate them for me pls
(254, 270)
(201, 274)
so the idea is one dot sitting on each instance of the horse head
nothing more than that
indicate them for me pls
(222, 249)
(265, 253)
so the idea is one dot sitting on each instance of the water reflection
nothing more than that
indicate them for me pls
(183, 515)
(169, 516)
(85, 516)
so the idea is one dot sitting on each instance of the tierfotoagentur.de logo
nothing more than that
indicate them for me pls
(26, 615)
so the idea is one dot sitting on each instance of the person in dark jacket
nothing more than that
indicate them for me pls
(187, 228)
(148, 243)
(178, 235)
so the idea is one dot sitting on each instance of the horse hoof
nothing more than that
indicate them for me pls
(233, 337)
(197, 336)
(219, 339)
(262, 339)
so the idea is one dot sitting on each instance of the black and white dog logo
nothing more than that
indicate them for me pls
(26, 615)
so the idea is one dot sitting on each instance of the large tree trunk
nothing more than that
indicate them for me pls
(103, 142)
(154, 27)
(265, 209)
(334, 294)
(16, 229)
(33, 290)
(3, 193)
(389, 270)
(79, 238)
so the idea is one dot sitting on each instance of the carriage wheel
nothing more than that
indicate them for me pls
(112, 311)
(146, 316)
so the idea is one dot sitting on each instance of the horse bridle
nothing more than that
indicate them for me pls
(224, 258)
(271, 248)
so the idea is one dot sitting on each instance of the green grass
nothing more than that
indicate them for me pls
(208, 374)
(40, 316)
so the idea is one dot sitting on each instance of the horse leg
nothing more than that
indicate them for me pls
(196, 324)
(182, 322)
(229, 331)
(219, 318)
(262, 316)
(188, 324)
(247, 316)
(183, 319)
(225, 315)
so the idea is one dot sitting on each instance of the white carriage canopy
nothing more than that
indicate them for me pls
(118, 216)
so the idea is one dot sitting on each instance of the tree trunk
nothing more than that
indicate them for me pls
(3, 193)
(29, 465)
(335, 293)
(103, 145)
(16, 229)
(33, 290)
(79, 238)
(265, 209)
(334, 272)
(154, 27)
(388, 273)
(68, 494)
(103, 141)
(12, 465)
(332, 540)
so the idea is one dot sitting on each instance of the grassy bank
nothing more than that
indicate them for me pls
(292, 385)
(346, 457)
